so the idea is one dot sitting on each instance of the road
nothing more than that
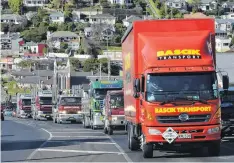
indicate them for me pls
(43, 141)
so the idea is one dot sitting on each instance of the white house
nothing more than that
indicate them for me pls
(207, 5)
(178, 4)
(121, 2)
(129, 20)
(57, 17)
(102, 19)
(230, 16)
(84, 14)
(13, 18)
(224, 24)
(34, 3)
(222, 44)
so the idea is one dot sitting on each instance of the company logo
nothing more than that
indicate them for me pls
(183, 109)
(183, 117)
(179, 54)
(127, 62)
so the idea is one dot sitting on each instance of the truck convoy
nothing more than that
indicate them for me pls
(23, 109)
(113, 112)
(93, 104)
(171, 94)
(42, 105)
(67, 109)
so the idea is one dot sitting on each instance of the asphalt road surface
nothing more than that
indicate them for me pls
(43, 141)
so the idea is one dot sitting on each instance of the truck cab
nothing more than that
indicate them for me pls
(42, 105)
(114, 112)
(24, 106)
(68, 109)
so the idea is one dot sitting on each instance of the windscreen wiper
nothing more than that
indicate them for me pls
(193, 100)
(167, 102)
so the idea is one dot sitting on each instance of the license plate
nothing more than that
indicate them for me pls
(47, 116)
(185, 136)
(71, 118)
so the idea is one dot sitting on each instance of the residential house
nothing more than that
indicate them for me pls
(228, 6)
(121, 2)
(71, 38)
(221, 34)
(29, 15)
(224, 24)
(13, 18)
(57, 17)
(103, 31)
(32, 49)
(6, 63)
(34, 3)
(223, 44)
(208, 5)
(178, 4)
(83, 14)
(129, 20)
(9, 44)
(102, 19)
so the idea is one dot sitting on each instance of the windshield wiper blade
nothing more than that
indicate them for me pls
(167, 102)
(193, 100)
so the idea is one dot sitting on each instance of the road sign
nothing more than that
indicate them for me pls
(169, 135)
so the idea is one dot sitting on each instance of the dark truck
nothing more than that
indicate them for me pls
(227, 111)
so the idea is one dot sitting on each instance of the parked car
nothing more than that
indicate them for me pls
(8, 112)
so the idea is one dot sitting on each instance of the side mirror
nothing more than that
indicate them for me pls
(136, 88)
(225, 82)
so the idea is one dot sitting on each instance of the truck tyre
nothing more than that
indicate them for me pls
(105, 130)
(110, 131)
(214, 149)
(148, 150)
(133, 143)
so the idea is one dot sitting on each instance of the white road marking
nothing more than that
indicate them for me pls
(84, 136)
(68, 129)
(77, 132)
(98, 143)
(77, 151)
(128, 159)
(41, 146)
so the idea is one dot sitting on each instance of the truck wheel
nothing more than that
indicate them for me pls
(110, 131)
(148, 150)
(214, 149)
(105, 130)
(133, 143)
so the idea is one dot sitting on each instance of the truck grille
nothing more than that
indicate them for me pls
(192, 118)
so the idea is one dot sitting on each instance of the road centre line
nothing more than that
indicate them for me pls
(84, 136)
(62, 141)
(77, 132)
(99, 143)
(78, 151)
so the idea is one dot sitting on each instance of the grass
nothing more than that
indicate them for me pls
(13, 88)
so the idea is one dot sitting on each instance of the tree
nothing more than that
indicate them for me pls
(15, 5)
(75, 63)
(63, 46)
(36, 34)
(15, 28)
(195, 4)
(105, 3)
(25, 63)
(90, 64)
(56, 4)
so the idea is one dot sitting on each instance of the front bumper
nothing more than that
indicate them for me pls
(117, 121)
(70, 117)
(190, 134)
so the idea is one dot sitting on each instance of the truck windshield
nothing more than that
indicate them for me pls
(26, 101)
(117, 101)
(46, 100)
(70, 101)
(163, 87)
(103, 92)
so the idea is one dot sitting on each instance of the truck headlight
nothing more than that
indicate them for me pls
(78, 112)
(213, 130)
(64, 112)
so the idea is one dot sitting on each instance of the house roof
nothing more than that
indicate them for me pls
(74, 73)
(195, 15)
(56, 14)
(206, 1)
(103, 16)
(219, 31)
(11, 16)
(131, 18)
(31, 44)
(229, 4)
(176, 1)
(63, 34)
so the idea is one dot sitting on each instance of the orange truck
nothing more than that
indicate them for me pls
(171, 98)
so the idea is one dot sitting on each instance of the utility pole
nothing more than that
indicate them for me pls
(100, 69)
(109, 68)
